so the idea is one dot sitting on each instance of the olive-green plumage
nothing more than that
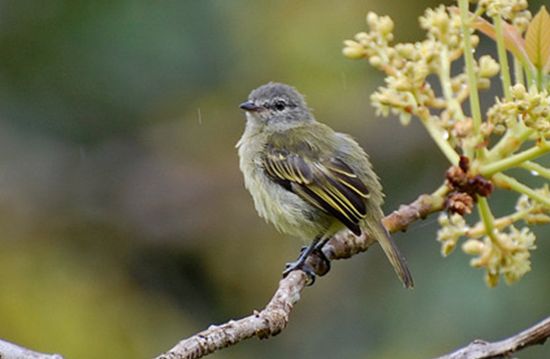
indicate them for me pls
(305, 178)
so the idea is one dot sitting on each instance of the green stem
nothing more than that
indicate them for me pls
(536, 168)
(438, 136)
(453, 105)
(487, 218)
(445, 79)
(540, 77)
(441, 192)
(479, 11)
(509, 143)
(513, 184)
(518, 72)
(530, 77)
(490, 169)
(502, 58)
(499, 223)
(469, 60)
(544, 81)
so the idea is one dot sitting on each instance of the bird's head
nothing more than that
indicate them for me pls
(276, 106)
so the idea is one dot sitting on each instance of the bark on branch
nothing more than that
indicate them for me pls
(13, 351)
(479, 349)
(274, 317)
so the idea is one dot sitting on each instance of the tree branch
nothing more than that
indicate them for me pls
(479, 349)
(274, 317)
(13, 351)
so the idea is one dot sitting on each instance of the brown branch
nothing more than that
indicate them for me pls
(274, 317)
(479, 349)
(269, 322)
(13, 351)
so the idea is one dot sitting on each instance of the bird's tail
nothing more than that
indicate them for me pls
(392, 252)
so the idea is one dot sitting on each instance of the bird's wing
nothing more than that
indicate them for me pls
(328, 184)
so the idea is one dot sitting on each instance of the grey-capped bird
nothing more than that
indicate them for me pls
(308, 180)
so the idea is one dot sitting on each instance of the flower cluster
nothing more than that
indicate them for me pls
(407, 65)
(514, 11)
(443, 27)
(531, 107)
(372, 44)
(507, 256)
(452, 228)
(535, 212)
(512, 134)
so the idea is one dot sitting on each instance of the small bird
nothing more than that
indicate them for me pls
(307, 179)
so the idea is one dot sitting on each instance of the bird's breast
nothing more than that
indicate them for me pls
(288, 212)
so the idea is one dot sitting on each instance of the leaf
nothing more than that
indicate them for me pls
(513, 41)
(537, 39)
(512, 38)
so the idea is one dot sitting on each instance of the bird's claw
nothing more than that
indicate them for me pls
(320, 265)
(300, 265)
(323, 263)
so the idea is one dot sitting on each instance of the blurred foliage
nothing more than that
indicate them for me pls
(124, 223)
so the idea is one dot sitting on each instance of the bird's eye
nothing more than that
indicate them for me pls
(279, 105)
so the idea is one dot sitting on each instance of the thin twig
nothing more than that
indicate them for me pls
(275, 316)
(479, 349)
(13, 351)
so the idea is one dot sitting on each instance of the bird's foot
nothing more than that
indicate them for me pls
(320, 264)
(301, 265)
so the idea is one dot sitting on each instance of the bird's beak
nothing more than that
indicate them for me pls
(249, 106)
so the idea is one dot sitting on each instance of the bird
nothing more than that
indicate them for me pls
(308, 180)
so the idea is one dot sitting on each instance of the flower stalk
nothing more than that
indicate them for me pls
(515, 160)
(502, 58)
(513, 184)
(469, 61)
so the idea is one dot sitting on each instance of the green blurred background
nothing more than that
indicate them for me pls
(123, 218)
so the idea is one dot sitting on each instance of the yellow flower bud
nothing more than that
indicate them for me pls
(475, 40)
(372, 19)
(483, 83)
(488, 67)
(375, 61)
(491, 279)
(518, 91)
(441, 20)
(353, 50)
(363, 38)
(447, 248)
(406, 50)
(385, 25)
(473, 247)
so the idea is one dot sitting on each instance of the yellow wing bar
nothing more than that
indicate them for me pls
(330, 185)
